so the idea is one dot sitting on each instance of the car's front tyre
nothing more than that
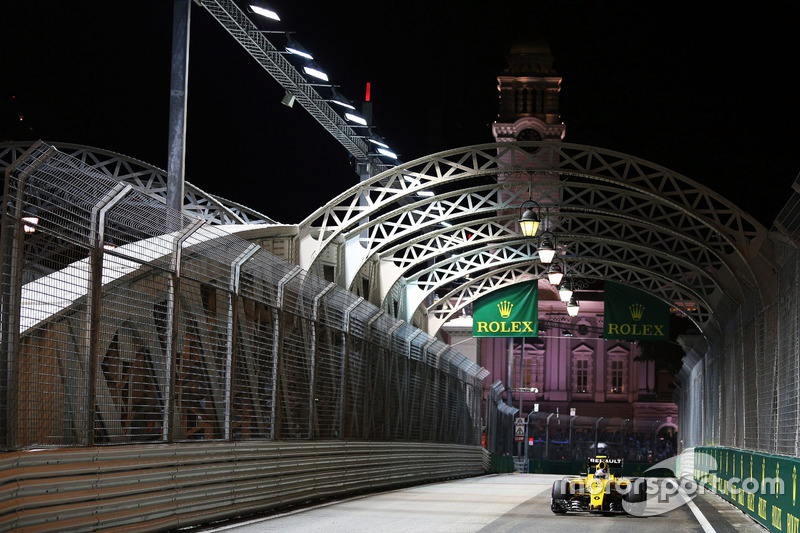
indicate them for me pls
(558, 497)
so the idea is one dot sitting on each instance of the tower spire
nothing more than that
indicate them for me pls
(529, 90)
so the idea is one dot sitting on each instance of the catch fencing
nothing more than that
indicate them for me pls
(740, 387)
(125, 322)
(500, 422)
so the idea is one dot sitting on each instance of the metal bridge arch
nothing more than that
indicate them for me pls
(446, 224)
(147, 179)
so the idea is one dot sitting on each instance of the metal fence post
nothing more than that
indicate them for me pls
(425, 386)
(391, 356)
(233, 305)
(173, 328)
(276, 346)
(374, 347)
(95, 290)
(312, 397)
(12, 237)
(407, 418)
(345, 366)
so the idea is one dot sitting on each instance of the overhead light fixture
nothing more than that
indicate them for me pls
(565, 290)
(427, 194)
(295, 48)
(387, 153)
(378, 143)
(264, 11)
(340, 100)
(31, 223)
(528, 218)
(288, 99)
(573, 307)
(355, 118)
(555, 273)
(315, 73)
(342, 103)
(547, 247)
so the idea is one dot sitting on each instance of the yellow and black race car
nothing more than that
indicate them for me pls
(599, 490)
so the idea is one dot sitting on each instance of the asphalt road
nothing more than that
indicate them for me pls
(491, 504)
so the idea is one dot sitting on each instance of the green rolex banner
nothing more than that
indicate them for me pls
(512, 311)
(631, 314)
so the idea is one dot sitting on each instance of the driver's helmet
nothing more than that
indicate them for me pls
(601, 470)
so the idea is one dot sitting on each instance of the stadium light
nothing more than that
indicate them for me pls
(387, 153)
(355, 118)
(315, 73)
(265, 11)
(295, 48)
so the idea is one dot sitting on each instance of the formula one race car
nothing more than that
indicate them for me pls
(599, 490)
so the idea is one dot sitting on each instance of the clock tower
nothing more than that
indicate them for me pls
(529, 90)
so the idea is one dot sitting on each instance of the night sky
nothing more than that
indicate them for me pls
(709, 91)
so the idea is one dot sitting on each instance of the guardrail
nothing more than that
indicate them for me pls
(163, 487)
(761, 485)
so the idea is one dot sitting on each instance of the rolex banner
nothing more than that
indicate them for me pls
(631, 314)
(512, 311)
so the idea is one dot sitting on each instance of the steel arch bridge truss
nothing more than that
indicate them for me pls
(148, 179)
(54, 252)
(446, 224)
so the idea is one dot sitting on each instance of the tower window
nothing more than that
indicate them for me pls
(617, 376)
(582, 375)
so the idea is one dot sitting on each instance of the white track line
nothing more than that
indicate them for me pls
(704, 523)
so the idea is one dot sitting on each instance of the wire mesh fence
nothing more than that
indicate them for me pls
(743, 390)
(125, 322)
(500, 422)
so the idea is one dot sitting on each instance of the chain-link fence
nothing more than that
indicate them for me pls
(123, 322)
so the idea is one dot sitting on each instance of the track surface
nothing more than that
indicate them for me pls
(493, 503)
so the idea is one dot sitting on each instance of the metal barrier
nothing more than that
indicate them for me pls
(168, 486)
(761, 485)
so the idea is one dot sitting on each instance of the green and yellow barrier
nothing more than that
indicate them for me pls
(762, 485)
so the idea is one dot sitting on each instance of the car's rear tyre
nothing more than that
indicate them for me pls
(637, 492)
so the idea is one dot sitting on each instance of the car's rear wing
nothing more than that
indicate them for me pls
(610, 463)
